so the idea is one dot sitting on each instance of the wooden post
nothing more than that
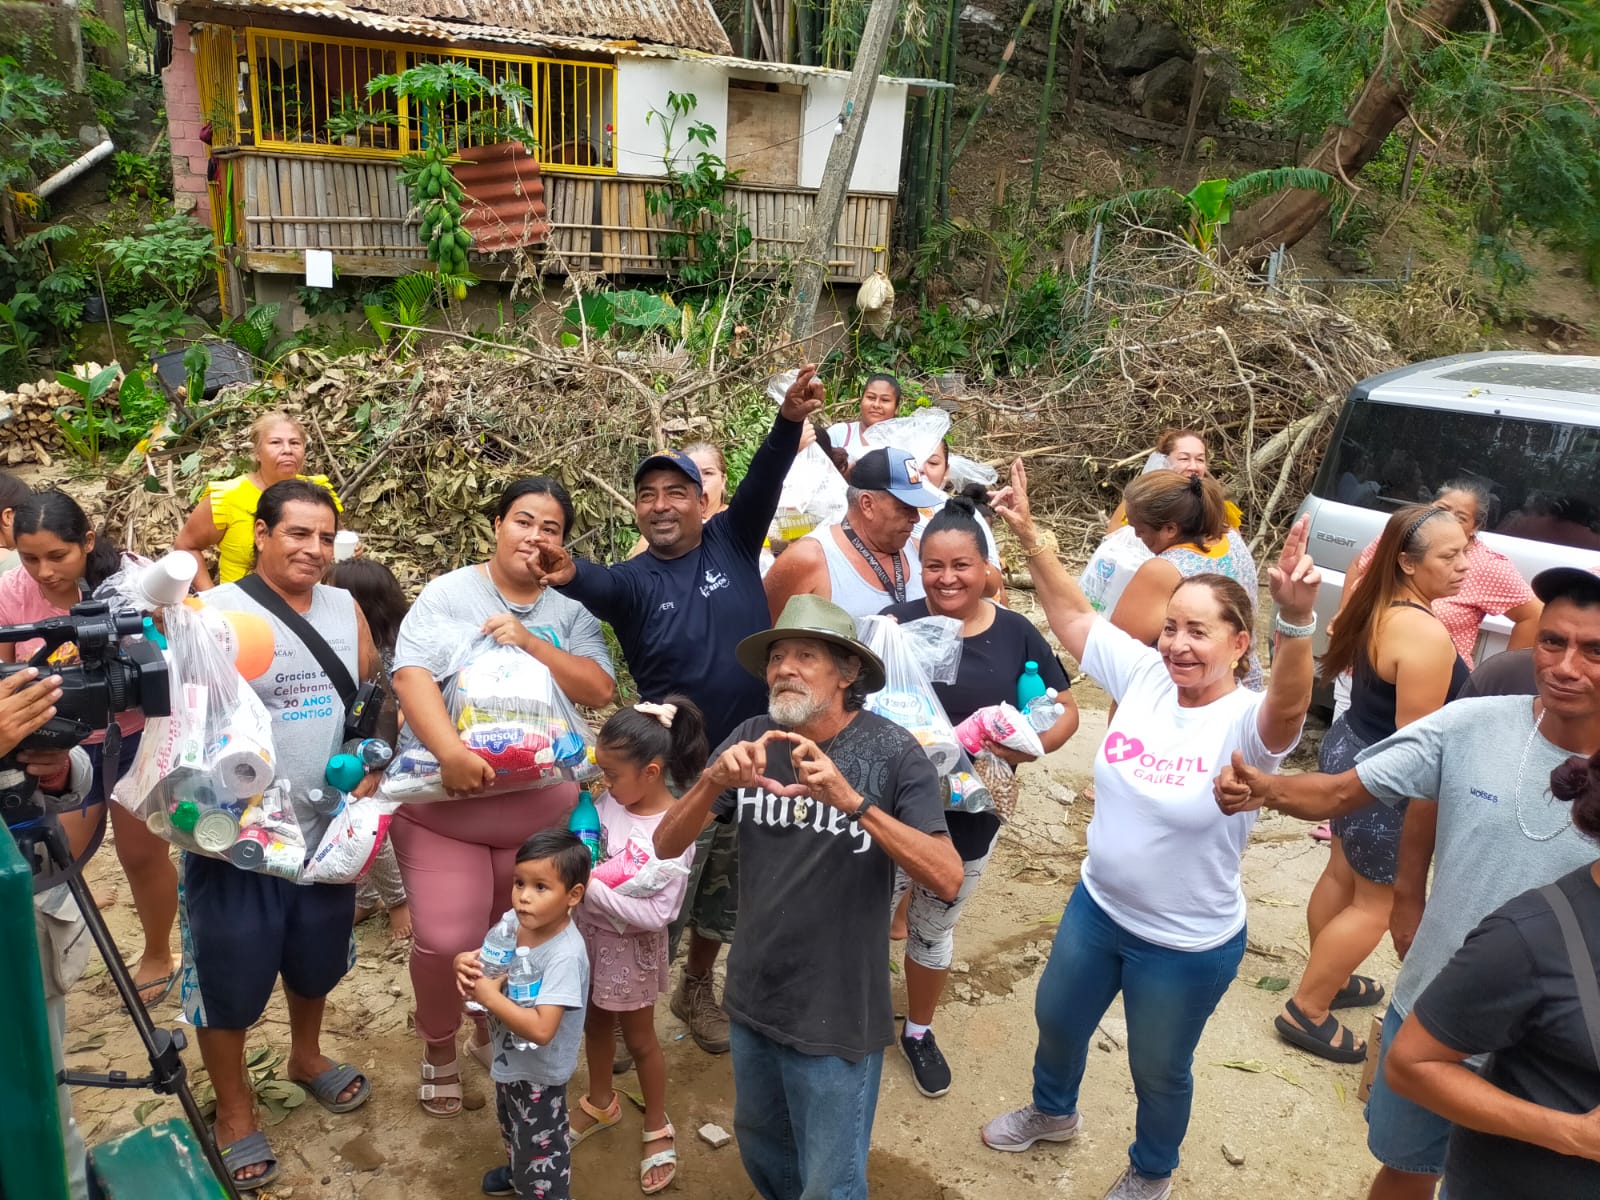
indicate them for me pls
(994, 224)
(1197, 92)
(1411, 163)
(1075, 67)
(1046, 98)
(811, 267)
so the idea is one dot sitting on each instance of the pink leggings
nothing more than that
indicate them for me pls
(456, 858)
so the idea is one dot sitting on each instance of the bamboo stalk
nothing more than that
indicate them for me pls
(1046, 100)
(994, 83)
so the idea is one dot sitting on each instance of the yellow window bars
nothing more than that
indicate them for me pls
(309, 94)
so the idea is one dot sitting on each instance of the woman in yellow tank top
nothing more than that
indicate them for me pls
(226, 515)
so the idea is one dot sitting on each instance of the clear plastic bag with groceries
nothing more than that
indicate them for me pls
(1112, 567)
(912, 655)
(203, 778)
(508, 710)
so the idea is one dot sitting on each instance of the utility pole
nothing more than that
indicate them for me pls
(811, 268)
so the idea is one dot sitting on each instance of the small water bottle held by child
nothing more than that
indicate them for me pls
(499, 948)
(522, 989)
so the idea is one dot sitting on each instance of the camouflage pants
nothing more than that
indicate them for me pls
(712, 903)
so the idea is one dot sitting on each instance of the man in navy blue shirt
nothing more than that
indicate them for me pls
(679, 610)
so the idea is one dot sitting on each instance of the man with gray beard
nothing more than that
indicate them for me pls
(827, 800)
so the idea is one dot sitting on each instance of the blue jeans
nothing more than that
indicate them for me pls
(1167, 995)
(1401, 1134)
(804, 1121)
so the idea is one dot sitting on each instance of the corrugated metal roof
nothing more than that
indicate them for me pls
(687, 23)
(459, 31)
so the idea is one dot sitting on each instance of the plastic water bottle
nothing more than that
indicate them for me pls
(522, 989)
(1029, 685)
(585, 822)
(1042, 711)
(498, 950)
(356, 757)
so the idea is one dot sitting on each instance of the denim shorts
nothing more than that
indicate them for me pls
(1401, 1135)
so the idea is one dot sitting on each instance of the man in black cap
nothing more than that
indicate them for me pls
(679, 610)
(1477, 775)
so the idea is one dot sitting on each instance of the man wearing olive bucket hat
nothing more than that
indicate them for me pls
(827, 800)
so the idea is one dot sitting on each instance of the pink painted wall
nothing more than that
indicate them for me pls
(184, 120)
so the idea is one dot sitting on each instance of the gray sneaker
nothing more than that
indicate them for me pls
(1134, 1186)
(1015, 1131)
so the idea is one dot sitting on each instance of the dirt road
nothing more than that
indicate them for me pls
(1294, 1120)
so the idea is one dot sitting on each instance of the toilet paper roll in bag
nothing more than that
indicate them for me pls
(242, 766)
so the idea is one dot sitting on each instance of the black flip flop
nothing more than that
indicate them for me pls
(1360, 992)
(1320, 1039)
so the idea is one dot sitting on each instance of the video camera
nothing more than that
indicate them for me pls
(107, 679)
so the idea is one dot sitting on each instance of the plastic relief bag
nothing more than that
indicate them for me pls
(918, 433)
(907, 697)
(204, 778)
(508, 711)
(1113, 564)
(351, 842)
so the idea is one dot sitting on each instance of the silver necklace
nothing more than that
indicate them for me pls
(1522, 766)
(802, 804)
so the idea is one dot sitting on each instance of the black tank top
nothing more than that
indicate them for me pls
(1372, 698)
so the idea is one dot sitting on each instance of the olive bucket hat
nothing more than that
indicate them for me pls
(808, 616)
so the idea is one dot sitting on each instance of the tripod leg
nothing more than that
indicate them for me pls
(168, 1071)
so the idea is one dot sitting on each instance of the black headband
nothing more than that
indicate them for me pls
(1411, 530)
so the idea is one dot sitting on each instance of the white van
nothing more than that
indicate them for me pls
(1526, 425)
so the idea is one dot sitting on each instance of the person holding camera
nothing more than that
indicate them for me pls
(63, 562)
(243, 929)
(27, 702)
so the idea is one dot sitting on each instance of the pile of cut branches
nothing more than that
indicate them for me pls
(418, 446)
(1175, 341)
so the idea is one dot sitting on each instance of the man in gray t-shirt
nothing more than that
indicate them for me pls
(244, 930)
(1477, 773)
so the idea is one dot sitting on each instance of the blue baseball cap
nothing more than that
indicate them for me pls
(670, 460)
(896, 472)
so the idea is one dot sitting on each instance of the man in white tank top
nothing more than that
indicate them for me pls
(867, 561)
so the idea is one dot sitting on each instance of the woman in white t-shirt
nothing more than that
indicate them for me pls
(1160, 913)
(880, 400)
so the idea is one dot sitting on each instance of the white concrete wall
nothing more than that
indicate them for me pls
(642, 85)
(878, 163)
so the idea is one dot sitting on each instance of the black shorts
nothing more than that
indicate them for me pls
(242, 929)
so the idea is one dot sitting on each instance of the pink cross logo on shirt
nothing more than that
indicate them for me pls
(1120, 748)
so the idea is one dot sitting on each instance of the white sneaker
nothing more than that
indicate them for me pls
(1134, 1186)
(1015, 1131)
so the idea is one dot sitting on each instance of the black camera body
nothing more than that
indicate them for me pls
(107, 679)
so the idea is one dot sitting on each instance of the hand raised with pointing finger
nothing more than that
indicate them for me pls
(805, 395)
(1294, 580)
(552, 565)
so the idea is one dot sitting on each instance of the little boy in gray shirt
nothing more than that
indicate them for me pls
(536, 1016)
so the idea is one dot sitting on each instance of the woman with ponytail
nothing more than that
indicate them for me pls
(1183, 520)
(63, 562)
(1525, 990)
(643, 752)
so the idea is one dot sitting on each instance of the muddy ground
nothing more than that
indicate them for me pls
(1294, 1120)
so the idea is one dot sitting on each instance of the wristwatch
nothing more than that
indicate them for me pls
(861, 809)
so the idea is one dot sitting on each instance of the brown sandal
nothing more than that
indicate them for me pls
(430, 1093)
